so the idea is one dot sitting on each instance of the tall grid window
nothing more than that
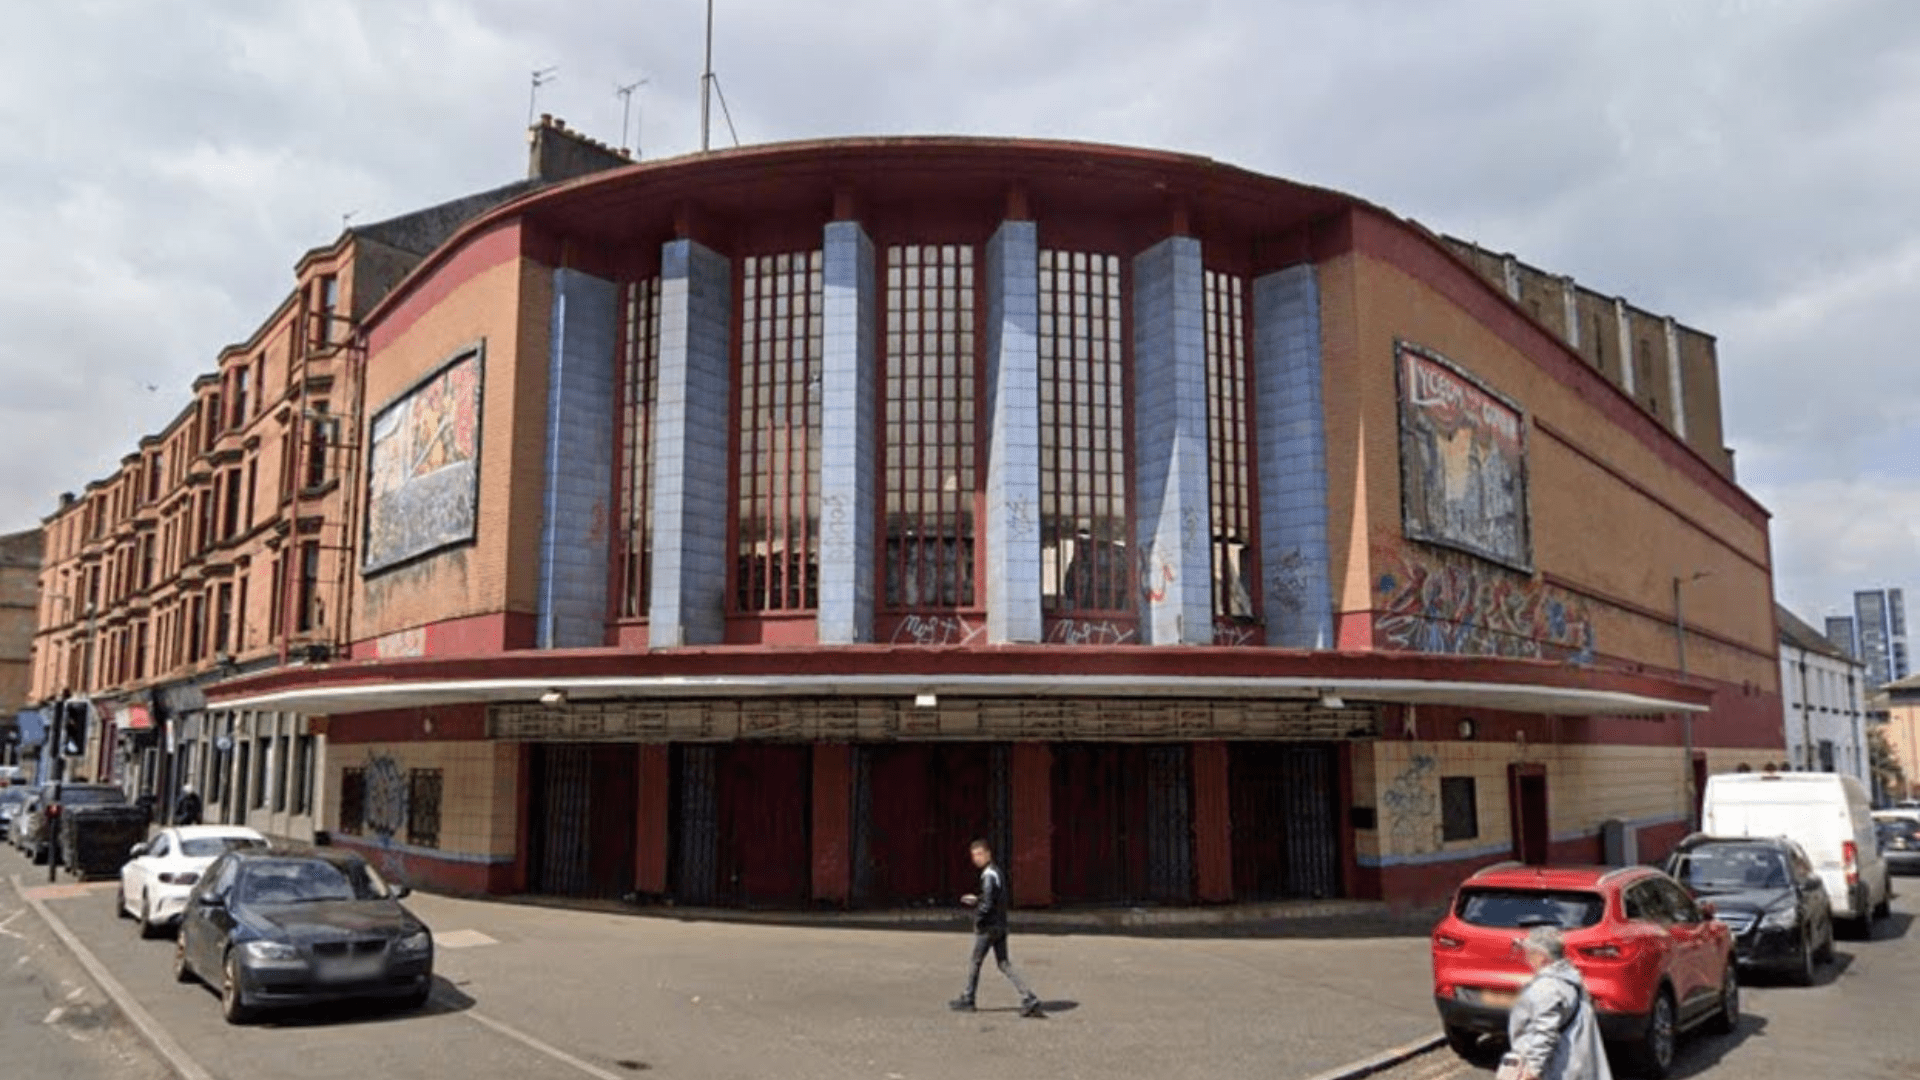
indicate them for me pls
(1230, 485)
(638, 394)
(1084, 562)
(930, 426)
(781, 341)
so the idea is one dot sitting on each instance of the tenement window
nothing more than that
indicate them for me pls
(353, 801)
(1084, 561)
(930, 427)
(641, 385)
(781, 332)
(1230, 486)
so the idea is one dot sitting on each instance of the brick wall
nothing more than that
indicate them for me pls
(503, 302)
(19, 601)
(1611, 518)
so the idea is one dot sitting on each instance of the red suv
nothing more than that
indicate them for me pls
(1656, 962)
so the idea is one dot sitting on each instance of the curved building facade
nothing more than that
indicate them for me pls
(757, 528)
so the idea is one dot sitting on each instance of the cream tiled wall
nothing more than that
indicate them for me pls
(479, 812)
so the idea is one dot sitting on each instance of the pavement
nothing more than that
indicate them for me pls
(534, 992)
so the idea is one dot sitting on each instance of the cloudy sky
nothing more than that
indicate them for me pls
(1749, 166)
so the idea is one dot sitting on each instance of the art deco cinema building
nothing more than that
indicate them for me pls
(756, 528)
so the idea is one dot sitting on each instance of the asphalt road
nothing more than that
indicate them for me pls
(1857, 1022)
(54, 1021)
(613, 995)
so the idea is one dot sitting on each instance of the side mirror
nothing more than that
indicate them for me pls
(136, 851)
(401, 892)
(209, 900)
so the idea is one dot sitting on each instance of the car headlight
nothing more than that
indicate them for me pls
(417, 942)
(1781, 918)
(270, 950)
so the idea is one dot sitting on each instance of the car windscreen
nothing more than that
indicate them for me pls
(208, 847)
(1732, 868)
(12, 796)
(300, 881)
(1512, 908)
(91, 796)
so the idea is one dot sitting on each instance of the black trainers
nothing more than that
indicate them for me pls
(961, 1004)
(1030, 1008)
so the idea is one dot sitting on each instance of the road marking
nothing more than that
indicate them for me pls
(461, 939)
(548, 1049)
(163, 1042)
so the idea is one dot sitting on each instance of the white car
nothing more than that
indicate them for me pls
(155, 882)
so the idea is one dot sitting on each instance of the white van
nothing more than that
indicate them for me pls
(1829, 815)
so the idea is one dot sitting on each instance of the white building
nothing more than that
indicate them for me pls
(1823, 695)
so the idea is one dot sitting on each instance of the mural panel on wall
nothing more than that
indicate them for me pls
(1428, 600)
(423, 476)
(1463, 461)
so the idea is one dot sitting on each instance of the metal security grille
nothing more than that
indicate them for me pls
(781, 335)
(696, 852)
(1084, 562)
(1286, 834)
(423, 807)
(564, 830)
(930, 427)
(640, 383)
(1230, 485)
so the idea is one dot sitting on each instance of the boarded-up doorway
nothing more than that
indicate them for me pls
(917, 806)
(1123, 823)
(1532, 842)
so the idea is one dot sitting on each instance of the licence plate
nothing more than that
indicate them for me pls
(356, 969)
(1497, 999)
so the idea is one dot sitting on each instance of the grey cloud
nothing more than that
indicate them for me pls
(1745, 165)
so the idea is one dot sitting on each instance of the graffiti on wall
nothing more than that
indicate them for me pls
(422, 484)
(1411, 807)
(1463, 467)
(385, 812)
(1429, 600)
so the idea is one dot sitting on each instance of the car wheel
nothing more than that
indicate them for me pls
(1472, 1046)
(233, 998)
(1727, 1018)
(417, 999)
(182, 970)
(1826, 944)
(1803, 971)
(40, 855)
(1885, 907)
(147, 928)
(1653, 1053)
(120, 902)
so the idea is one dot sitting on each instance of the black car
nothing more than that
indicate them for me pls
(1768, 894)
(13, 798)
(280, 927)
(43, 816)
(1900, 843)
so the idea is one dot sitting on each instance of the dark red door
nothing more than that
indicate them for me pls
(1122, 823)
(1527, 785)
(766, 799)
(919, 805)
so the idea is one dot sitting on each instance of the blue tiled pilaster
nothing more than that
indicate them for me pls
(1170, 444)
(690, 448)
(1291, 427)
(582, 387)
(849, 380)
(1013, 448)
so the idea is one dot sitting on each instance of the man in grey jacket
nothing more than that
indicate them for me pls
(1552, 1028)
(990, 932)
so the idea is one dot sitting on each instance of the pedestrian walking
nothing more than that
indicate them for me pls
(1552, 1030)
(990, 932)
(186, 810)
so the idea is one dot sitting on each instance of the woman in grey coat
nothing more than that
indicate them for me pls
(1552, 1028)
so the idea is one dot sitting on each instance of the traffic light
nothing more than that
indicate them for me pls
(73, 728)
